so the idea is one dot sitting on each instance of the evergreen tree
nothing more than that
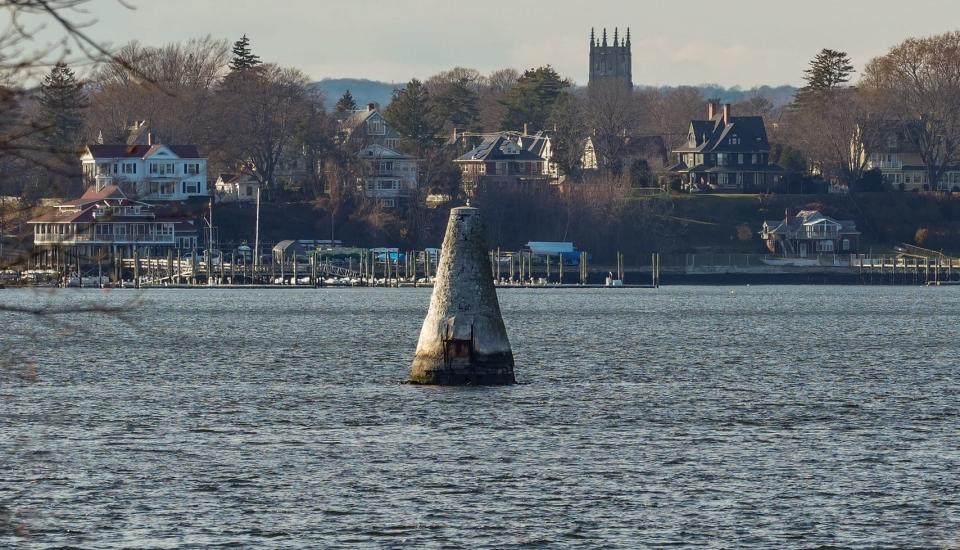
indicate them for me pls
(62, 102)
(530, 101)
(458, 104)
(346, 103)
(411, 113)
(243, 58)
(829, 70)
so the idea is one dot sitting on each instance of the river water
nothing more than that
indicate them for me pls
(767, 416)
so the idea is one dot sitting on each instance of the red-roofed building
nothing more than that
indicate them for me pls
(105, 218)
(150, 172)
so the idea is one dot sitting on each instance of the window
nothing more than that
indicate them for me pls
(734, 140)
(388, 203)
(129, 168)
(386, 166)
(721, 159)
(723, 178)
(824, 246)
(163, 169)
(376, 128)
(388, 185)
(191, 169)
(740, 158)
(846, 245)
(249, 191)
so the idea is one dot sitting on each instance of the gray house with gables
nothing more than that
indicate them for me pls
(726, 153)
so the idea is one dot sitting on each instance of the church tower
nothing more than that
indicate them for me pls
(611, 62)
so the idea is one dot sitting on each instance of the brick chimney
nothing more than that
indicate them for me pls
(455, 134)
(371, 107)
(711, 110)
(726, 113)
(525, 132)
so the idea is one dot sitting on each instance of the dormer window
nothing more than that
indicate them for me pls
(734, 139)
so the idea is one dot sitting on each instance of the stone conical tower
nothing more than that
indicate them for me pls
(463, 340)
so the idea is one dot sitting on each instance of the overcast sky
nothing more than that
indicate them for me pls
(735, 42)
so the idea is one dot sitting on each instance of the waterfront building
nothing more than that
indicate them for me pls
(150, 172)
(104, 221)
(611, 63)
(387, 175)
(726, 153)
(810, 233)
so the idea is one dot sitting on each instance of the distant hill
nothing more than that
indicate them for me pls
(778, 95)
(363, 90)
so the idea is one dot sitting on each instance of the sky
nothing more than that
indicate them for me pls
(734, 42)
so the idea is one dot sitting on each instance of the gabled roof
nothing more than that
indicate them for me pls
(100, 151)
(494, 149)
(793, 224)
(229, 177)
(376, 151)
(894, 136)
(715, 136)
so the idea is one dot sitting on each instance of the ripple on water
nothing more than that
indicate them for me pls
(772, 417)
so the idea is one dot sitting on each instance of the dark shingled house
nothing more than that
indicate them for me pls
(726, 153)
(500, 160)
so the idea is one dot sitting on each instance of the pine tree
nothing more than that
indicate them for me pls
(411, 114)
(346, 103)
(243, 58)
(62, 102)
(459, 105)
(829, 70)
(530, 101)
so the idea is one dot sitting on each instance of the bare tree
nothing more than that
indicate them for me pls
(262, 113)
(920, 80)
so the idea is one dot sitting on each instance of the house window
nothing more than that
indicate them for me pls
(376, 128)
(723, 178)
(129, 168)
(191, 169)
(163, 169)
(393, 143)
(740, 158)
(388, 203)
(388, 185)
(734, 140)
(846, 245)
(249, 190)
(386, 166)
(892, 142)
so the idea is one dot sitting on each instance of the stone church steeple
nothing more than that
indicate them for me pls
(611, 62)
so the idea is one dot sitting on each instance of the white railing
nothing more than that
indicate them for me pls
(69, 238)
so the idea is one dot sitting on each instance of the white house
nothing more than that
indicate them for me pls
(388, 175)
(152, 172)
(236, 188)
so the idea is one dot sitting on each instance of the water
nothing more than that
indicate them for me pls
(725, 417)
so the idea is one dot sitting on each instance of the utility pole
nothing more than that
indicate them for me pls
(256, 237)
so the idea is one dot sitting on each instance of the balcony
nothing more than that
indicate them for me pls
(86, 238)
(887, 165)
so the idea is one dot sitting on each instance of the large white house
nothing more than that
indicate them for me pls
(152, 172)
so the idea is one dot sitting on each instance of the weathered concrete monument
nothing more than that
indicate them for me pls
(463, 340)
